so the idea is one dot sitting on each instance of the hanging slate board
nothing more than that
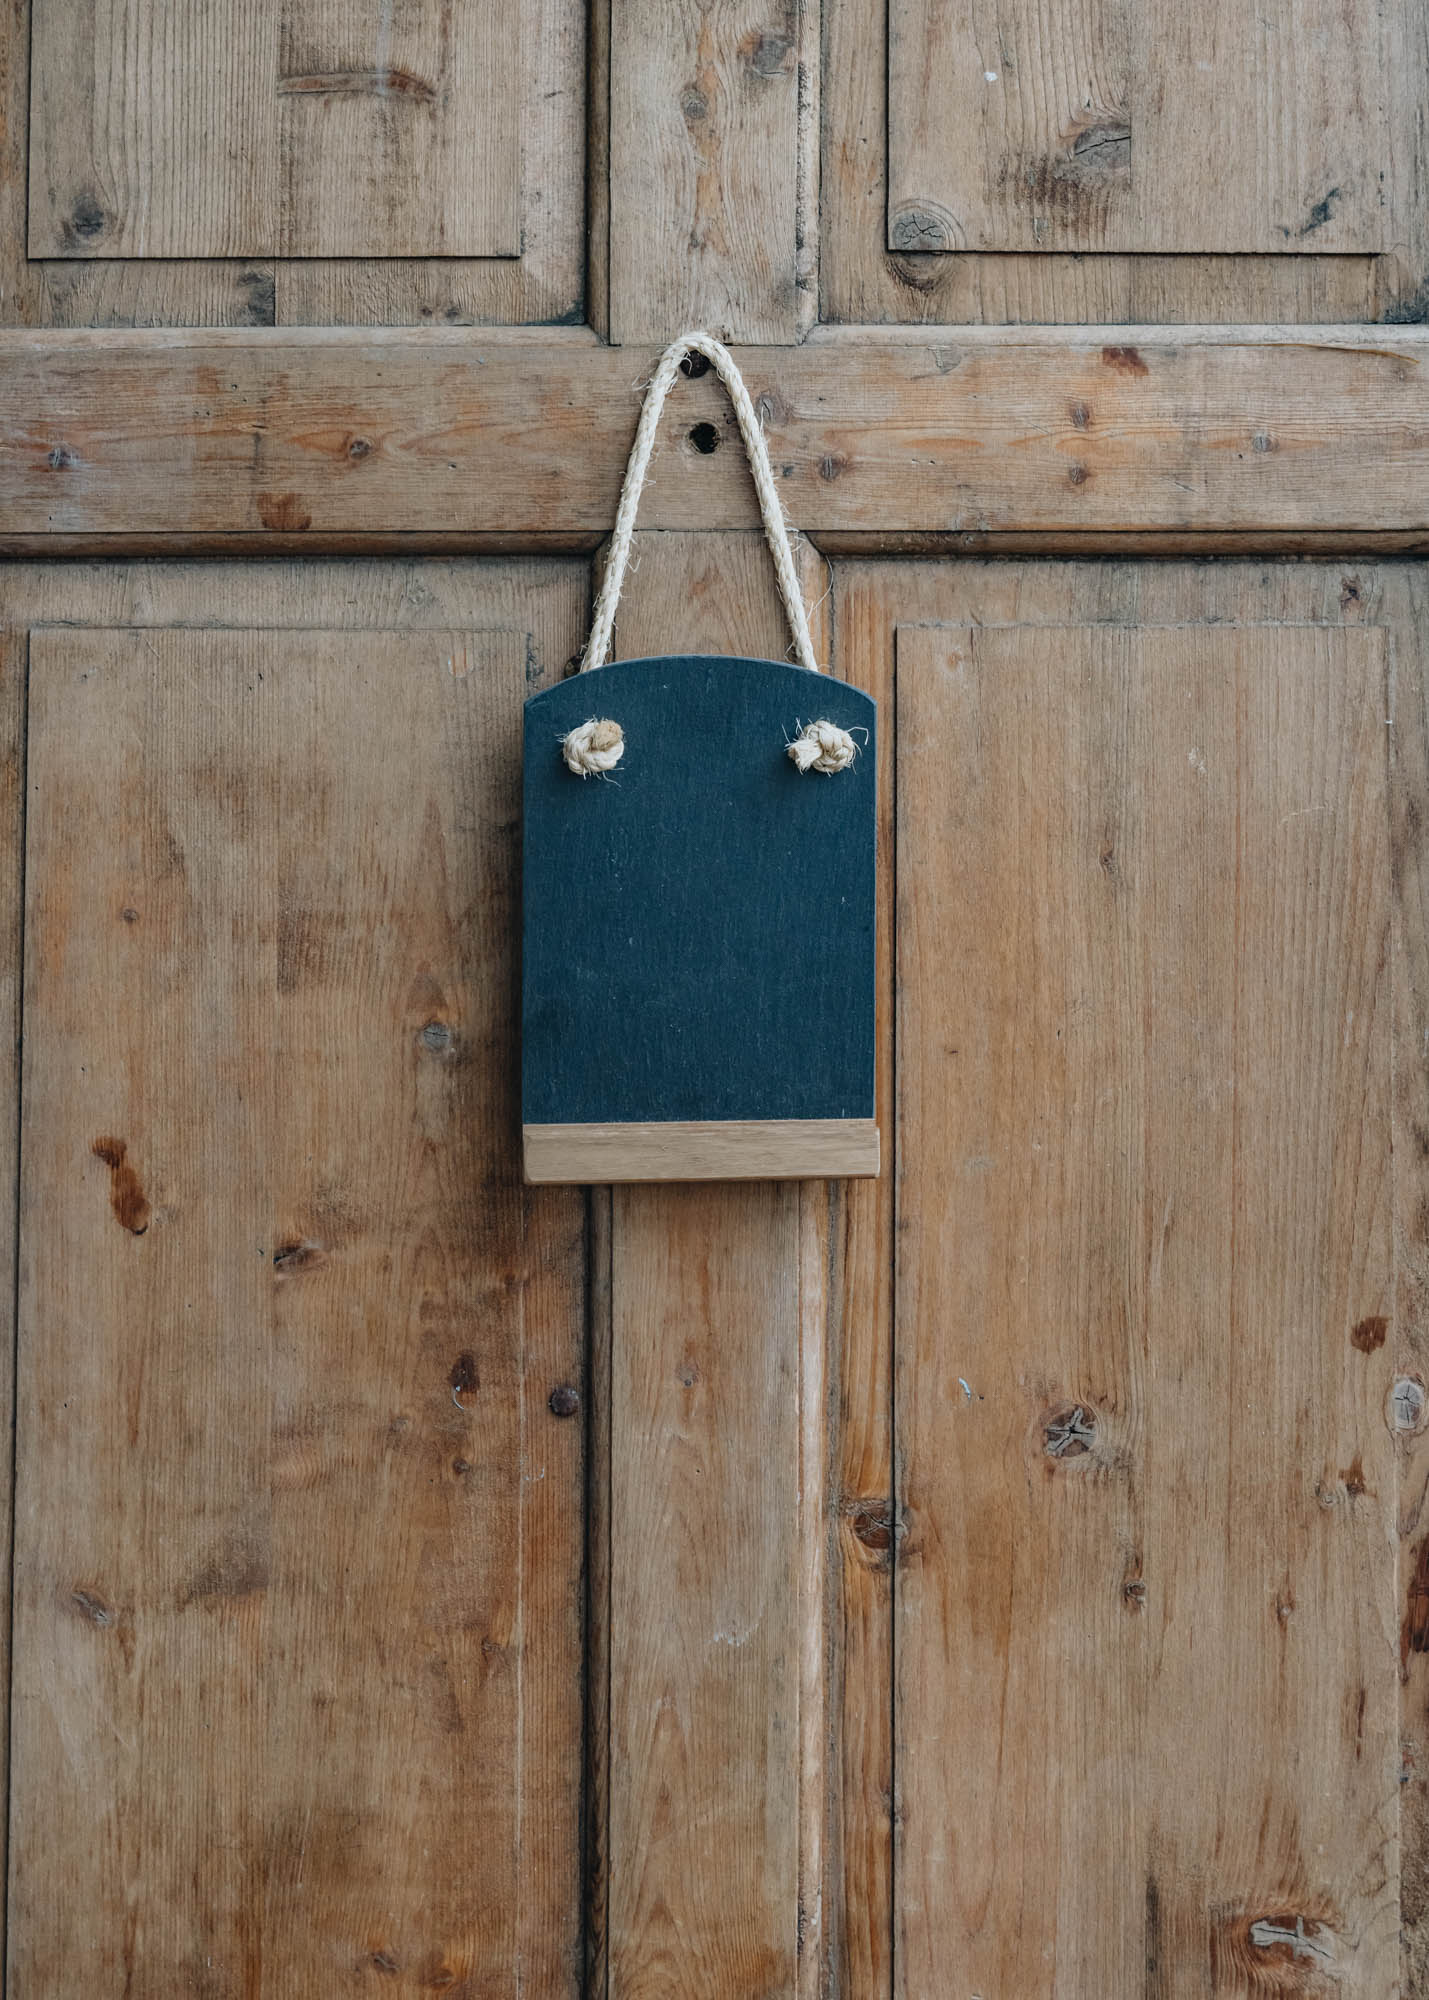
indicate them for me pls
(698, 960)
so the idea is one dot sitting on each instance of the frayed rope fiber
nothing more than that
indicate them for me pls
(592, 749)
(823, 746)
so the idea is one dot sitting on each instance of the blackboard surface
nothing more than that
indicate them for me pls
(698, 927)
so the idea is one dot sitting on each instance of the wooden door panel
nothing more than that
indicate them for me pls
(297, 1685)
(921, 153)
(310, 129)
(712, 1313)
(1201, 125)
(1146, 1703)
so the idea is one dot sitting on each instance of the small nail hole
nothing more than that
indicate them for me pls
(705, 438)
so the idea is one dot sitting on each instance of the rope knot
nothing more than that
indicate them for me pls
(823, 746)
(594, 747)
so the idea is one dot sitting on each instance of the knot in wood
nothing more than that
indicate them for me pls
(1070, 1432)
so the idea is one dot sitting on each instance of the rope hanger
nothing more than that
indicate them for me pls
(598, 745)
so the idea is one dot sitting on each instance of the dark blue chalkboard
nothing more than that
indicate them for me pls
(698, 926)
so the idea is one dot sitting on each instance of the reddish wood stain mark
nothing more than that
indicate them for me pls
(1354, 1478)
(359, 83)
(463, 1377)
(1127, 359)
(1414, 1634)
(1369, 1334)
(126, 1192)
(284, 513)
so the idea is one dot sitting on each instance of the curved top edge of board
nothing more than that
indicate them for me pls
(616, 670)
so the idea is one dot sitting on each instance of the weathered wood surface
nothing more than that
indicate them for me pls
(291, 128)
(544, 282)
(1061, 433)
(1405, 595)
(298, 1526)
(12, 755)
(862, 280)
(716, 1482)
(1198, 125)
(855, 1255)
(1148, 1485)
(712, 133)
(725, 1149)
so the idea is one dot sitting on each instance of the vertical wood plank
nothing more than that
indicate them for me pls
(863, 281)
(858, 1858)
(153, 128)
(713, 198)
(1144, 1225)
(12, 712)
(399, 129)
(297, 128)
(298, 1533)
(717, 1520)
(547, 281)
(1407, 1413)
(1112, 125)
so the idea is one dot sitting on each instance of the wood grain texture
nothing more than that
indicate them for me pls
(1144, 1088)
(153, 129)
(291, 128)
(1075, 432)
(855, 1252)
(716, 1503)
(862, 280)
(1113, 125)
(543, 283)
(1401, 597)
(399, 135)
(12, 782)
(712, 208)
(101, 292)
(547, 281)
(858, 1834)
(277, 1253)
(735, 1149)
(872, 599)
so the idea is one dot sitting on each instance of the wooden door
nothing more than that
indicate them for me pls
(1008, 1578)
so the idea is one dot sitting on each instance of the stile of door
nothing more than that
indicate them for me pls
(1146, 1270)
(296, 1577)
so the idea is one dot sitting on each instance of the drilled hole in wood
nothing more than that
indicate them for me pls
(695, 365)
(705, 438)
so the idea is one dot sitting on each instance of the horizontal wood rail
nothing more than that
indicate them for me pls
(1081, 440)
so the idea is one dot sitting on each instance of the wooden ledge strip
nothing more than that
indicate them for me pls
(1088, 437)
(735, 1149)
